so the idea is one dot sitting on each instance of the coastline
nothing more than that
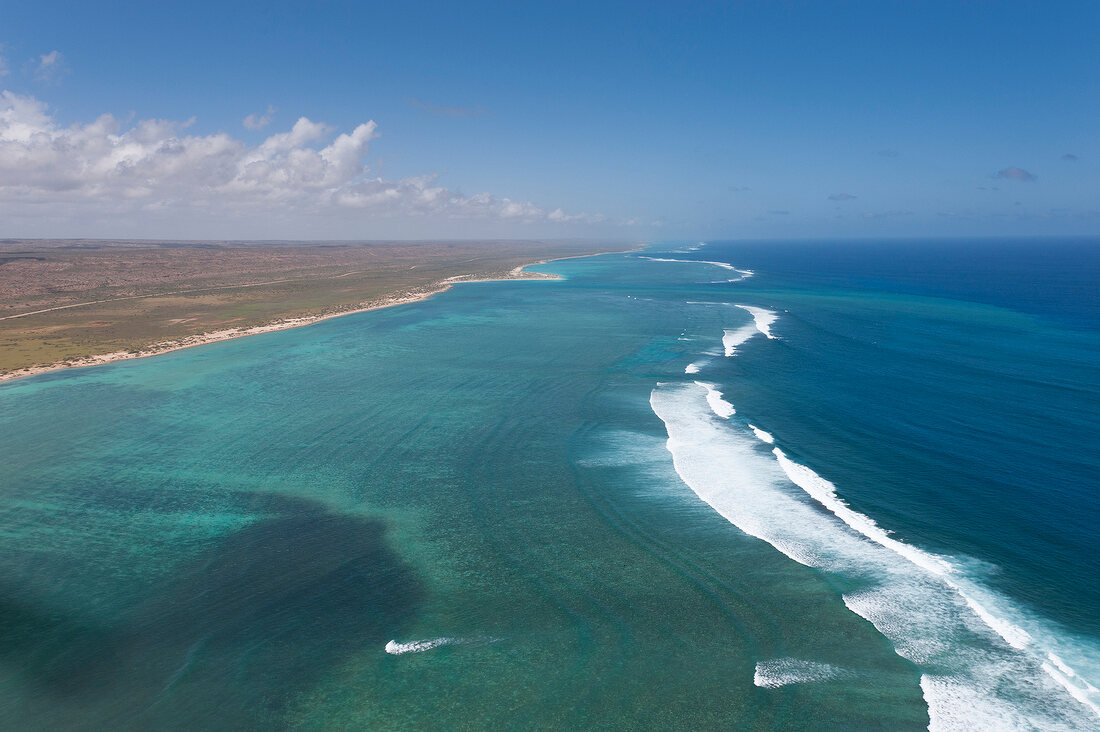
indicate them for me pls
(388, 301)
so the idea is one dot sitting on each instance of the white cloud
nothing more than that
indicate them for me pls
(561, 216)
(50, 67)
(107, 169)
(253, 122)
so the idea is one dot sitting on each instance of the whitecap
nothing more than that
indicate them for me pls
(734, 337)
(761, 318)
(911, 596)
(717, 404)
(777, 672)
(762, 435)
(744, 273)
(419, 646)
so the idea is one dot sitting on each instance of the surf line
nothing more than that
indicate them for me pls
(917, 599)
(762, 320)
(970, 681)
(744, 273)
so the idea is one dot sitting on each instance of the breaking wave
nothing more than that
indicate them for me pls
(718, 405)
(419, 646)
(761, 318)
(744, 274)
(979, 670)
(778, 672)
(761, 323)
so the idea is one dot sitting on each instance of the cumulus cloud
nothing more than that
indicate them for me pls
(1016, 174)
(258, 122)
(49, 68)
(842, 197)
(561, 216)
(153, 165)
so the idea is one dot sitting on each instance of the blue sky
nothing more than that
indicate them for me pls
(638, 120)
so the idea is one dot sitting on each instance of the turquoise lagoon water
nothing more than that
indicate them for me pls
(610, 501)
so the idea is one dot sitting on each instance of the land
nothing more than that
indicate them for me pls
(67, 303)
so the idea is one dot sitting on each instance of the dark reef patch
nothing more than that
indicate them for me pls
(231, 637)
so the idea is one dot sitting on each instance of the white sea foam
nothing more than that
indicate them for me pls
(976, 598)
(956, 706)
(762, 435)
(761, 323)
(824, 493)
(419, 646)
(692, 248)
(762, 318)
(744, 273)
(723, 265)
(1080, 688)
(777, 672)
(693, 368)
(734, 337)
(975, 678)
(717, 404)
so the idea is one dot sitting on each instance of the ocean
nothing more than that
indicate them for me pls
(752, 485)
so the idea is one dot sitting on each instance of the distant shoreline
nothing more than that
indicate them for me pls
(404, 297)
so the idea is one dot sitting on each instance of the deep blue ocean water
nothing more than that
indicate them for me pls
(554, 504)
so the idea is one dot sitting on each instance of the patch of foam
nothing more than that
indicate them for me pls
(693, 368)
(1079, 688)
(762, 318)
(762, 435)
(975, 598)
(692, 248)
(419, 646)
(717, 404)
(744, 273)
(723, 265)
(1014, 635)
(954, 706)
(824, 493)
(734, 337)
(778, 672)
(761, 323)
(905, 593)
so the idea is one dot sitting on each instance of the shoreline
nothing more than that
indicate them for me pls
(404, 297)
